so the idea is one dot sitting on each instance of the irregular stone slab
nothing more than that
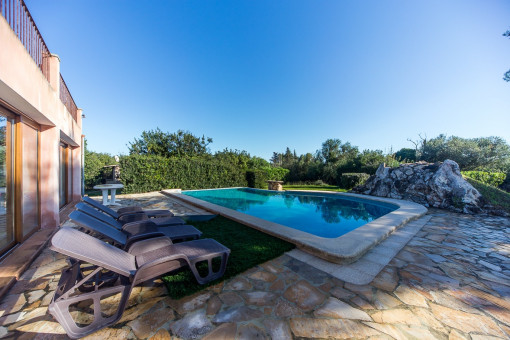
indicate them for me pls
(190, 303)
(270, 267)
(436, 258)
(383, 300)
(239, 284)
(23, 286)
(364, 290)
(362, 303)
(137, 310)
(260, 298)
(278, 329)
(499, 313)
(237, 314)
(451, 302)
(456, 335)
(334, 308)
(428, 319)
(386, 280)
(466, 322)
(150, 322)
(12, 304)
(490, 265)
(263, 276)
(408, 296)
(304, 295)
(484, 337)
(42, 327)
(162, 334)
(109, 333)
(332, 329)
(250, 332)
(213, 306)
(230, 298)
(285, 309)
(35, 296)
(341, 293)
(193, 325)
(403, 332)
(393, 316)
(226, 331)
(277, 286)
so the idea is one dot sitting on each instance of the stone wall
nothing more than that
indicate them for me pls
(438, 185)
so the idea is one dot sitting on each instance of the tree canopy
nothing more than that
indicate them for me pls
(177, 144)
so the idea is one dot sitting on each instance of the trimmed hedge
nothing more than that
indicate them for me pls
(494, 179)
(153, 173)
(257, 179)
(351, 180)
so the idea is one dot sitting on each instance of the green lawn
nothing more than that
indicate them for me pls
(248, 248)
(314, 187)
(496, 197)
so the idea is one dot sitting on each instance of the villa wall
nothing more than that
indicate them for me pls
(34, 98)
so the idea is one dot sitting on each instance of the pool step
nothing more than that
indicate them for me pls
(365, 269)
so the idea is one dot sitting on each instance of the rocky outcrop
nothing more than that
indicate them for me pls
(438, 185)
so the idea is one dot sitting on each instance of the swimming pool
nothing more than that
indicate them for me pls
(318, 214)
(346, 248)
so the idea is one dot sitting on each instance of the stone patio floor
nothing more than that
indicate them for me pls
(451, 281)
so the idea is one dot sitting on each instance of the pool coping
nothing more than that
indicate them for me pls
(344, 249)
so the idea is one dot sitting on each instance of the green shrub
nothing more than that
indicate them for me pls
(351, 180)
(257, 179)
(93, 168)
(490, 178)
(144, 173)
(275, 173)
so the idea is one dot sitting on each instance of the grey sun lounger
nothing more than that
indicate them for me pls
(145, 260)
(119, 223)
(133, 232)
(126, 210)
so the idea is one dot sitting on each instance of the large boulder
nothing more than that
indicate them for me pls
(438, 185)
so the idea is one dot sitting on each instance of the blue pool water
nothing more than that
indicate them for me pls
(319, 214)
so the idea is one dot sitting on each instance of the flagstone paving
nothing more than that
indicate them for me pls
(451, 281)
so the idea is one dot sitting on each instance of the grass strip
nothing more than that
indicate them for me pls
(314, 187)
(248, 248)
(496, 197)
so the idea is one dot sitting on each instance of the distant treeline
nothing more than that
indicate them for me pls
(159, 160)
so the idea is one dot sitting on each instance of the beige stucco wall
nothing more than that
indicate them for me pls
(24, 87)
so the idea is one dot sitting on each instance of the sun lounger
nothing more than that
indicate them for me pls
(118, 224)
(145, 260)
(126, 210)
(133, 232)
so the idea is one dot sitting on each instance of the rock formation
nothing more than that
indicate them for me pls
(438, 185)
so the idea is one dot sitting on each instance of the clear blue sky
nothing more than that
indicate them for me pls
(263, 75)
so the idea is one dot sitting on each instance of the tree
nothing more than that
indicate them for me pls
(506, 76)
(178, 144)
(484, 153)
(277, 159)
(406, 154)
(93, 167)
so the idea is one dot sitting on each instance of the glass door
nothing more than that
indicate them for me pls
(65, 180)
(7, 235)
(30, 179)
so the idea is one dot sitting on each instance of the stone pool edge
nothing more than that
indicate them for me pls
(344, 249)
